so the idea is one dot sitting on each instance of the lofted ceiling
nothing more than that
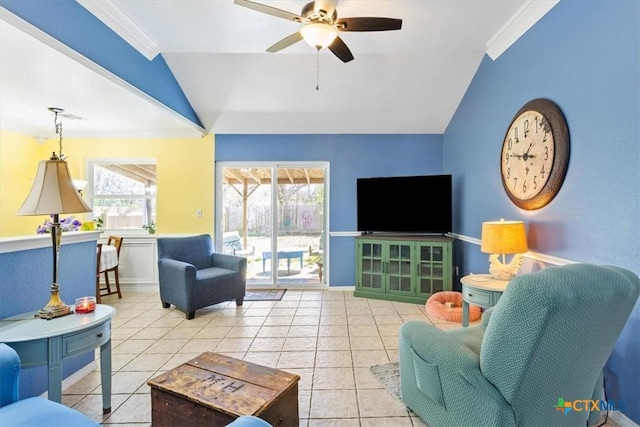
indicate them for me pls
(406, 81)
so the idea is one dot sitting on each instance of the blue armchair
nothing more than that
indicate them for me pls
(193, 276)
(34, 411)
(547, 339)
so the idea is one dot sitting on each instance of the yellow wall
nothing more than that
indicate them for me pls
(19, 157)
(185, 177)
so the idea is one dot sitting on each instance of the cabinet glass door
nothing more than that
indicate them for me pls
(399, 275)
(432, 270)
(371, 266)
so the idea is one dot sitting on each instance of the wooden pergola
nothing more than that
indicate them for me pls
(246, 180)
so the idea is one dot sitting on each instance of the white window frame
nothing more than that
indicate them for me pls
(89, 191)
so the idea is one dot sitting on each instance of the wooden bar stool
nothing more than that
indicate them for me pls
(98, 258)
(107, 263)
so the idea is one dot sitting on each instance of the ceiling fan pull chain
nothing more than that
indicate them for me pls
(318, 69)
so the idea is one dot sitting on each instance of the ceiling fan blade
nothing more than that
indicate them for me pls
(341, 50)
(270, 10)
(328, 6)
(285, 42)
(368, 24)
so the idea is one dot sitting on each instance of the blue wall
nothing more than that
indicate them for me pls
(26, 278)
(585, 56)
(350, 157)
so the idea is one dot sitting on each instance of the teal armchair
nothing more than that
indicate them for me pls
(548, 338)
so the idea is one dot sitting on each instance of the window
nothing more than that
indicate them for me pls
(123, 192)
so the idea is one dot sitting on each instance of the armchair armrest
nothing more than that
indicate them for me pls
(453, 359)
(177, 271)
(177, 279)
(437, 347)
(9, 373)
(230, 262)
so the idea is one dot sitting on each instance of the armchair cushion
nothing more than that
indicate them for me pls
(193, 276)
(548, 337)
(37, 411)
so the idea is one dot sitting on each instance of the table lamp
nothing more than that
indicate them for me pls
(52, 194)
(501, 238)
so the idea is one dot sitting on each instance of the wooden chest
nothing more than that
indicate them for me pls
(213, 390)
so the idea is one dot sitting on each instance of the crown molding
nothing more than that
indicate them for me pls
(526, 17)
(107, 12)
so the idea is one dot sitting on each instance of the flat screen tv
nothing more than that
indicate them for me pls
(405, 204)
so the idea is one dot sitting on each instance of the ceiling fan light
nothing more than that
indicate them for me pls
(319, 35)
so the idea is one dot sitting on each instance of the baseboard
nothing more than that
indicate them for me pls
(139, 287)
(150, 288)
(342, 288)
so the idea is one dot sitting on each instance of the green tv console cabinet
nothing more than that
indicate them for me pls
(406, 268)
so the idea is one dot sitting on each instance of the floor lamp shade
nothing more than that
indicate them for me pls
(53, 192)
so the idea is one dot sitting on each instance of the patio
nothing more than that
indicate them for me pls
(307, 273)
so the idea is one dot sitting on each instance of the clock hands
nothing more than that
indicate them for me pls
(525, 156)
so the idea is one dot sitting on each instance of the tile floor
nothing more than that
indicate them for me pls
(330, 338)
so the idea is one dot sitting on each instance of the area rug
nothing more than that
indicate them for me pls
(264, 294)
(388, 375)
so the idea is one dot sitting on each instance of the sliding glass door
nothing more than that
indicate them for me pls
(274, 215)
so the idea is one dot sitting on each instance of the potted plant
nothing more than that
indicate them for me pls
(151, 227)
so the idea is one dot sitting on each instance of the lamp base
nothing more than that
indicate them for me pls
(49, 313)
(500, 271)
(55, 307)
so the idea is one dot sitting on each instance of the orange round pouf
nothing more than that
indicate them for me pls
(437, 307)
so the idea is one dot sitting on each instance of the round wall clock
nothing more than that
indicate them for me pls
(535, 154)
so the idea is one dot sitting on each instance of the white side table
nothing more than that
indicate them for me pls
(482, 290)
(48, 342)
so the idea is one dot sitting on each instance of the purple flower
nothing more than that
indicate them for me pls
(66, 224)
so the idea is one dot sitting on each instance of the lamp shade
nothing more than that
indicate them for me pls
(53, 192)
(503, 237)
(318, 35)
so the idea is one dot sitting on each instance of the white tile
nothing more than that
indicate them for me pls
(329, 338)
(334, 404)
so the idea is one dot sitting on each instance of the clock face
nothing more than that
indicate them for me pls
(535, 154)
(527, 155)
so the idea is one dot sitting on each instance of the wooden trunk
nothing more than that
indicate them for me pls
(213, 390)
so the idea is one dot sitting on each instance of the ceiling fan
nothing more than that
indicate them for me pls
(321, 26)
